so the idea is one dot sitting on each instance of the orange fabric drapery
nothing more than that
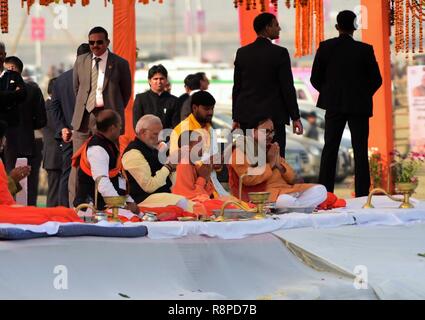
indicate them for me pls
(309, 21)
(381, 134)
(124, 40)
(246, 18)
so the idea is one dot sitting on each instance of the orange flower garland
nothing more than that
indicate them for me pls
(309, 21)
(308, 12)
(4, 8)
(4, 16)
(408, 16)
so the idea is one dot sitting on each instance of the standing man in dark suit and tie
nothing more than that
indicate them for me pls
(346, 74)
(52, 153)
(102, 80)
(263, 83)
(61, 109)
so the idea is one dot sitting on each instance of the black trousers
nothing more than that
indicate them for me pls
(66, 170)
(280, 137)
(53, 181)
(334, 128)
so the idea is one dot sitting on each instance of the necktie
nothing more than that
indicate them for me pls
(91, 101)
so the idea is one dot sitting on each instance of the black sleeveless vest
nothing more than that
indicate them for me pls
(86, 183)
(151, 156)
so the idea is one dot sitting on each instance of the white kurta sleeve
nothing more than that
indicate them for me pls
(99, 163)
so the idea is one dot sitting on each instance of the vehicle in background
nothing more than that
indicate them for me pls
(310, 158)
(346, 148)
(303, 92)
(314, 155)
(219, 74)
(296, 154)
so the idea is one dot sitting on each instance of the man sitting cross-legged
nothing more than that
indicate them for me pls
(99, 157)
(150, 180)
(275, 176)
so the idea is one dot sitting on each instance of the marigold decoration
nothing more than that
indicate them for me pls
(4, 8)
(309, 18)
(4, 16)
(407, 17)
(309, 22)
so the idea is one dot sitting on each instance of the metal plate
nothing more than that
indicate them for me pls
(235, 214)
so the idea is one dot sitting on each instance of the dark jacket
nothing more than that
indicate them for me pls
(20, 139)
(52, 154)
(182, 109)
(10, 97)
(263, 84)
(62, 104)
(163, 106)
(346, 74)
(151, 156)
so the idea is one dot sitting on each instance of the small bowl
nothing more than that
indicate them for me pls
(259, 197)
(150, 217)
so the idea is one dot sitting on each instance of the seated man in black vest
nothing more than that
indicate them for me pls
(147, 176)
(99, 157)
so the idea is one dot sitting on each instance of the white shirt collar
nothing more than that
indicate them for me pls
(104, 56)
(266, 38)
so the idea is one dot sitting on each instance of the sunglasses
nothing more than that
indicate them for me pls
(98, 42)
(270, 132)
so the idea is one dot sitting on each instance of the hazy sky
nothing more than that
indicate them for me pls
(154, 28)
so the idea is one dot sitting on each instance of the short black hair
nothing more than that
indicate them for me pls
(157, 69)
(193, 82)
(83, 48)
(201, 74)
(50, 86)
(99, 30)
(346, 20)
(16, 61)
(3, 127)
(107, 118)
(262, 21)
(203, 98)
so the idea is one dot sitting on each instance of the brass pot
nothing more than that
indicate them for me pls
(404, 187)
(259, 199)
(114, 203)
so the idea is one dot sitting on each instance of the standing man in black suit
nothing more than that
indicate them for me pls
(21, 141)
(61, 110)
(263, 83)
(12, 91)
(52, 153)
(346, 74)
